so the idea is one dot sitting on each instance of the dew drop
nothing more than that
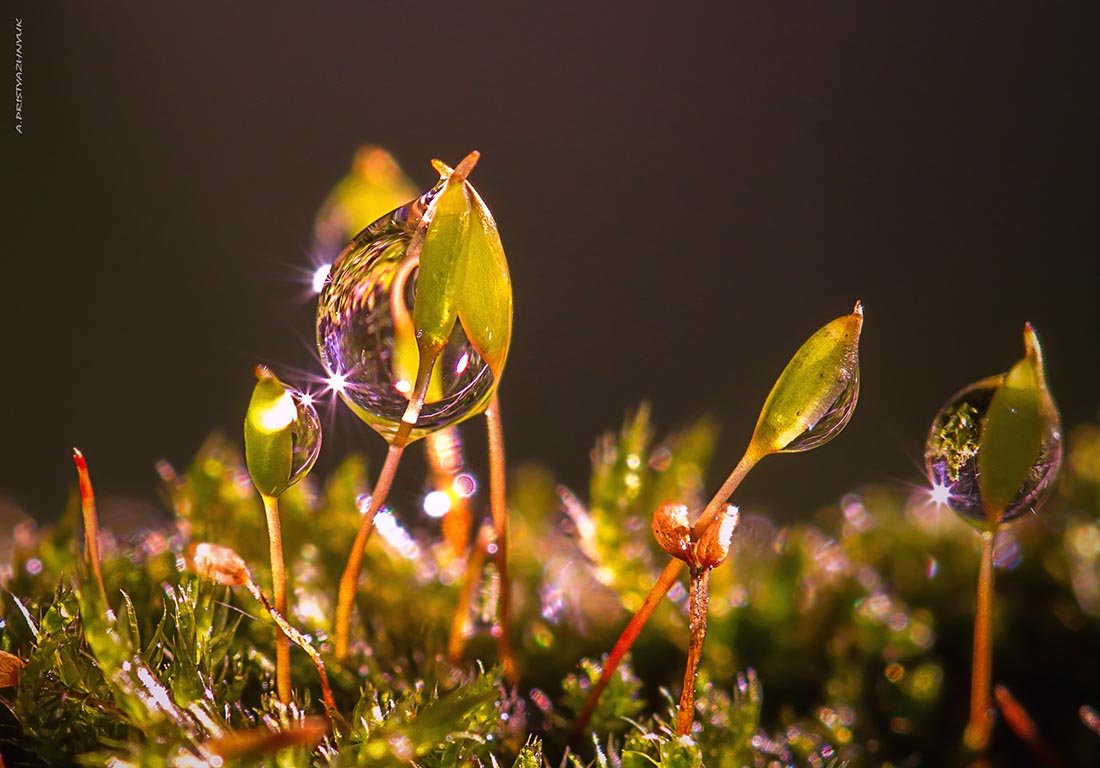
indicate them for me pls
(951, 456)
(832, 422)
(365, 334)
(305, 433)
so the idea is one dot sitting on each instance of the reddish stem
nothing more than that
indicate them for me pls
(980, 728)
(349, 581)
(626, 639)
(91, 521)
(663, 585)
(1024, 727)
(697, 626)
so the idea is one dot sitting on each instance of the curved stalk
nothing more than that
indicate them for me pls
(349, 581)
(498, 503)
(300, 640)
(278, 581)
(661, 588)
(698, 603)
(980, 727)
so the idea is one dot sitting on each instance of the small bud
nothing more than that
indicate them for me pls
(713, 546)
(282, 434)
(814, 397)
(218, 564)
(672, 530)
(10, 668)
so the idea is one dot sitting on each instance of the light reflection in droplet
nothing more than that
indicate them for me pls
(319, 277)
(465, 485)
(437, 504)
(337, 383)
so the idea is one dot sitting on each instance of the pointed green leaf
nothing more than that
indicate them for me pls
(815, 395)
(437, 285)
(463, 274)
(1012, 434)
(485, 303)
(268, 437)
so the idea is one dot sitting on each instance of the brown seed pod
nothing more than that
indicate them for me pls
(673, 531)
(713, 547)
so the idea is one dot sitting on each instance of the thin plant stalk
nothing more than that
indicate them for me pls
(349, 581)
(91, 521)
(660, 589)
(460, 624)
(498, 504)
(744, 466)
(698, 603)
(300, 640)
(626, 640)
(980, 727)
(278, 583)
(1019, 720)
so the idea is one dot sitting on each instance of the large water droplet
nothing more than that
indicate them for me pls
(305, 433)
(365, 334)
(951, 456)
(832, 422)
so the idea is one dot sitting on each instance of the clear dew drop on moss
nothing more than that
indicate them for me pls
(833, 421)
(951, 456)
(365, 335)
(305, 433)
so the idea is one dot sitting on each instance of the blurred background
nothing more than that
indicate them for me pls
(685, 193)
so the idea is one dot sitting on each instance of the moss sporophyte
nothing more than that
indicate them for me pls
(992, 455)
(415, 321)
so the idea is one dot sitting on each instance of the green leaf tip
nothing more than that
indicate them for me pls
(463, 273)
(814, 397)
(1020, 416)
(282, 434)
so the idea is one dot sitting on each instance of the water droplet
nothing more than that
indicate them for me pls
(305, 433)
(951, 456)
(365, 334)
(835, 418)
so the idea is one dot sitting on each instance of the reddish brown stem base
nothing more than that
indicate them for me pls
(698, 603)
(980, 728)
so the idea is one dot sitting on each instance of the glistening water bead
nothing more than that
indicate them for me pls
(835, 418)
(951, 456)
(365, 333)
(305, 433)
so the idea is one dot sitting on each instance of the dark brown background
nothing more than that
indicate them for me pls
(685, 193)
